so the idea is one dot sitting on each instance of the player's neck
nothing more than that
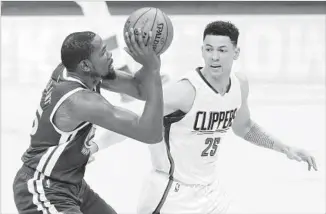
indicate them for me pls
(89, 81)
(220, 83)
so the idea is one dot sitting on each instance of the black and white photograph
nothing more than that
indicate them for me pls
(163, 107)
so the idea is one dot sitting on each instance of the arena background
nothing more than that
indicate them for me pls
(282, 53)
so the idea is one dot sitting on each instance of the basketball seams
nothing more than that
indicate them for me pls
(153, 25)
(140, 17)
(158, 21)
(167, 33)
(154, 19)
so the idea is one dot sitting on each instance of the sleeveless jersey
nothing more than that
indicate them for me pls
(55, 153)
(192, 140)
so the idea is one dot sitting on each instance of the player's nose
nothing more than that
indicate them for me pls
(215, 56)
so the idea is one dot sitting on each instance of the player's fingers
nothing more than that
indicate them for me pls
(146, 39)
(141, 40)
(309, 162)
(134, 43)
(150, 41)
(128, 42)
(314, 165)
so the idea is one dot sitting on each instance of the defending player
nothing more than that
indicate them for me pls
(199, 110)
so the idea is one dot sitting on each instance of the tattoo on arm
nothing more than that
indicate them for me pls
(259, 137)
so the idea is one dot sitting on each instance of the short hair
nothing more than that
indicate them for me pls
(75, 48)
(222, 28)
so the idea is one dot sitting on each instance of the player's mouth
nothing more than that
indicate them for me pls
(215, 66)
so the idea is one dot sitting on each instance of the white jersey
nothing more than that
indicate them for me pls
(191, 141)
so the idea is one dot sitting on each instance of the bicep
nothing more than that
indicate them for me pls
(93, 108)
(242, 121)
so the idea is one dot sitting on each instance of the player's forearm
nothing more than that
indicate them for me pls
(142, 78)
(152, 117)
(258, 136)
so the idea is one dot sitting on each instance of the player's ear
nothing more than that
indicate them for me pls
(236, 53)
(85, 65)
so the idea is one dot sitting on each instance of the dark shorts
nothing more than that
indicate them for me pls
(36, 194)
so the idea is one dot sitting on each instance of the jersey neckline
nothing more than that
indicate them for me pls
(209, 85)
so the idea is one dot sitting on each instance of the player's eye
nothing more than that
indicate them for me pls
(209, 49)
(223, 50)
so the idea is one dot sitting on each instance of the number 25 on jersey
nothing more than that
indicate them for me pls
(212, 144)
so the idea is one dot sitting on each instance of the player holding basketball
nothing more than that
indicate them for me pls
(51, 178)
(199, 110)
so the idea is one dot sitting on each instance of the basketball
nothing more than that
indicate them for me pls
(155, 20)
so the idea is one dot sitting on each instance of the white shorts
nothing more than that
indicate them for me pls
(159, 195)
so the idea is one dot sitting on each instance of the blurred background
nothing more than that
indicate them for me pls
(282, 53)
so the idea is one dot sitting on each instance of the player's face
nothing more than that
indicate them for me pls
(218, 53)
(100, 58)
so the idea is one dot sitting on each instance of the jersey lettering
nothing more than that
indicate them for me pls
(210, 122)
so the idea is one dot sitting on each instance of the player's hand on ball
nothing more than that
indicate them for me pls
(140, 50)
(301, 155)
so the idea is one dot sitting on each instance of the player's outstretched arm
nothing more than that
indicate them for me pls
(244, 127)
(174, 100)
(88, 106)
(148, 128)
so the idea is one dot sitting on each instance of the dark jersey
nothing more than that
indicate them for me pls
(55, 153)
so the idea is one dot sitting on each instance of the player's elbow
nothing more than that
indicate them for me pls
(152, 135)
(153, 138)
(242, 129)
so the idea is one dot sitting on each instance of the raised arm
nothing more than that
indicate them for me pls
(88, 106)
(147, 128)
(134, 84)
(244, 127)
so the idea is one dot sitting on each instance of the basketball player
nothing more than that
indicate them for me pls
(51, 178)
(113, 40)
(199, 110)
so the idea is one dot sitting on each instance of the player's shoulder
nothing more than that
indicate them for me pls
(244, 84)
(242, 77)
(84, 96)
(82, 102)
(179, 95)
(180, 86)
(65, 88)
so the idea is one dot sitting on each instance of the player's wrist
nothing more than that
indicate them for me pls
(280, 147)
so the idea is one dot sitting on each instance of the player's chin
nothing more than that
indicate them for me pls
(216, 71)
